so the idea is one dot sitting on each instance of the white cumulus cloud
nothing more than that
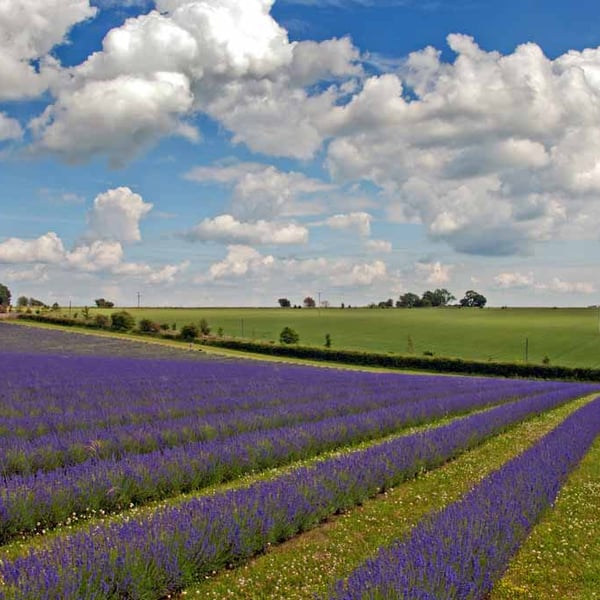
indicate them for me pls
(227, 229)
(559, 286)
(378, 246)
(491, 152)
(226, 58)
(29, 29)
(116, 215)
(48, 248)
(434, 273)
(358, 221)
(240, 261)
(262, 191)
(10, 129)
(508, 280)
(118, 117)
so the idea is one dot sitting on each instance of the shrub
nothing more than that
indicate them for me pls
(164, 326)
(102, 321)
(122, 321)
(327, 340)
(204, 328)
(148, 326)
(189, 333)
(289, 336)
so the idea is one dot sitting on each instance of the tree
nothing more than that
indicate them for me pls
(35, 302)
(309, 302)
(102, 303)
(189, 333)
(122, 321)
(439, 297)
(22, 301)
(204, 328)
(289, 336)
(389, 303)
(284, 303)
(408, 300)
(4, 297)
(473, 299)
(327, 340)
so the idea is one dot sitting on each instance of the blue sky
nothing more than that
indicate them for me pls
(229, 152)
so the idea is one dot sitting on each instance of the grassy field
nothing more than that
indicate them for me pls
(567, 336)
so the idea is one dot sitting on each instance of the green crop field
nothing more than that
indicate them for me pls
(567, 336)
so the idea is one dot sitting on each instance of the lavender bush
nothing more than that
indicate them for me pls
(151, 557)
(458, 553)
(46, 499)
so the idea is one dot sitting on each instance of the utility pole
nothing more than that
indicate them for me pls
(139, 297)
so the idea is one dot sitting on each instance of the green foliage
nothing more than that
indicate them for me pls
(289, 336)
(420, 363)
(408, 300)
(204, 328)
(122, 321)
(102, 321)
(149, 326)
(4, 295)
(189, 333)
(22, 301)
(473, 299)
(284, 303)
(327, 340)
(102, 303)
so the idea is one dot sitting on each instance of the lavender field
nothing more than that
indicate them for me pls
(132, 475)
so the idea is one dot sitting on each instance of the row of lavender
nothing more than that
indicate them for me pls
(43, 394)
(458, 553)
(44, 500)
(22, 456)
(159, 554)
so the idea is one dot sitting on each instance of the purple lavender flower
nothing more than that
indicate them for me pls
(151, 557)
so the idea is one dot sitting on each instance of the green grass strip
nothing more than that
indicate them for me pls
(561, 557)
(309, 563)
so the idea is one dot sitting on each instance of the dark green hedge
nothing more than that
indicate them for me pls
(371, 359)
(64, 321)
(392, 361)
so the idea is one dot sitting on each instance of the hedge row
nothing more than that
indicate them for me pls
(372, 359)
(64, 321)
(424, 363)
